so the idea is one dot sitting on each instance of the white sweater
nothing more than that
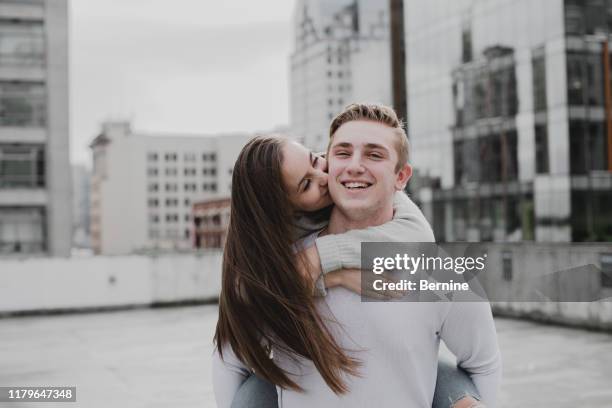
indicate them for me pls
(396, 341)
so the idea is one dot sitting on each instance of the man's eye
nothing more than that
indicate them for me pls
(342, 154)
(306, 185)
(376, 156)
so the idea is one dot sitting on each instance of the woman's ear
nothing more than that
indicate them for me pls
(402, 177)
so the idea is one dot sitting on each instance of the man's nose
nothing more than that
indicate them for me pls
(355, 165)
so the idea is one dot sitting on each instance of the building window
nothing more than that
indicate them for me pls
(587, 147)
(22, 44)
(507, 265)
(171, 202)
(171, 171)
(172, 218)
(585, 79)
(189, 157)
(152, 157)
(190, 187)
(152, 171)
(154, 218)
(153, 187)
(213, 187)
(22, 166)
(213, 172)
(466, 44)
(541, 145)
(190, 171)
(23, 103)
(172, 187)
(587, 17)
(488, 159)
(213, 156)
(187, 202)
(170, 157)
(22, 230)
(606, 270)
(153, 202)
(539, 81)
(591, 216)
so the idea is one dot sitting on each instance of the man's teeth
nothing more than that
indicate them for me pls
(356, 185)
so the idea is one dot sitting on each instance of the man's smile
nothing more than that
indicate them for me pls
(355, 184)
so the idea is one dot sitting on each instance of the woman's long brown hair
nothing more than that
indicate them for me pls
(264, 300)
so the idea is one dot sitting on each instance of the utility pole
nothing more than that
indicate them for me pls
(398, 59)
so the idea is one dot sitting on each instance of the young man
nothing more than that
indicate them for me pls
(397, 342)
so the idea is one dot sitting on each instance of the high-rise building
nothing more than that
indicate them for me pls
(35, 182)
(144, 186)
(509, 117)
(341, 55)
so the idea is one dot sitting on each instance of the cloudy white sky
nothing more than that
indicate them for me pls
(194, 66)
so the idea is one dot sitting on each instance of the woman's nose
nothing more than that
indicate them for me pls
(322, 164)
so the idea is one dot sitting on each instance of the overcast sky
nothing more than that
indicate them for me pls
(194, 66)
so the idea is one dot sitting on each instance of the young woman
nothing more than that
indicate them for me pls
(267, 307)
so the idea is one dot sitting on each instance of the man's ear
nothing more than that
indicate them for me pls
(402, 177)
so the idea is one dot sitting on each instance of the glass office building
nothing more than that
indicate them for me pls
(507, 118)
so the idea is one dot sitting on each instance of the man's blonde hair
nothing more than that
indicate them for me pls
(382, 114)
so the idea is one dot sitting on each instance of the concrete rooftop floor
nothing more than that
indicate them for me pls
(161, 358)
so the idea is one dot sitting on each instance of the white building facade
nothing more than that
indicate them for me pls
(341, 55)
(81, 209)
(35, 182)
(144, 186)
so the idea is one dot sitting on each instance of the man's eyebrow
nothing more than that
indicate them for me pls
(304, 178)
(375, 146)
(342, 144)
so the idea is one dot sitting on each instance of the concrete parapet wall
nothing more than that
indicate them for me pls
(105, 282)
(577, 276)
(95, 282)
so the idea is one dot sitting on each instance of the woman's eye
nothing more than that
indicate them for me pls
(342, 154)
(376, 155)
(306, 185)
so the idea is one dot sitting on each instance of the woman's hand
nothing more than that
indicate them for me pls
(351, 279)
(310, 265)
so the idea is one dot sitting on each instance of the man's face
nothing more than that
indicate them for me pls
(362, 160)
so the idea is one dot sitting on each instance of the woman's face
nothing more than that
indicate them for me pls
(304, 177)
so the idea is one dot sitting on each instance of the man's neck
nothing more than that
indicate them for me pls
(340, 222)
